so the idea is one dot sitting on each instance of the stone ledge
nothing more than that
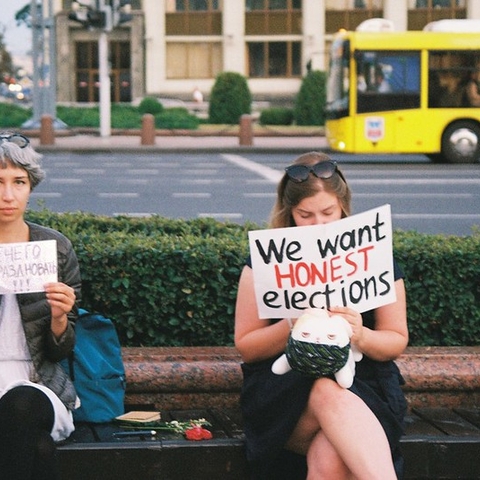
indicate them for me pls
(193, 377)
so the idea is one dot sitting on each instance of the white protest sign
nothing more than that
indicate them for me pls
(27, 266)
(344, 263)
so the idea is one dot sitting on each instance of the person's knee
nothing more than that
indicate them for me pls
(325, 391)
(26, 405)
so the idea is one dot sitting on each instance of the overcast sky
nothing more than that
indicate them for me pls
(17, 39)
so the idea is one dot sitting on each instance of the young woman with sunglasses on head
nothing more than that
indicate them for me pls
(36, 332)
(293, 422)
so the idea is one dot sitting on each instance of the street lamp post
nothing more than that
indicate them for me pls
(104, 76)
(103, 15)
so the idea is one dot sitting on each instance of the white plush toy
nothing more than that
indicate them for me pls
(319, 346)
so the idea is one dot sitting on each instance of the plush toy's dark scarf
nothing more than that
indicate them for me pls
(316, 360)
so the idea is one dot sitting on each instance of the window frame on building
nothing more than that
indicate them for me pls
(262, 64)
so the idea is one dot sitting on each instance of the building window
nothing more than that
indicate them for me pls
(354, 4)
(87, 74)
(194, 17)
(67, 4)
(120, 71)
(273, 17)
(273, 5)
(193, 60)
(348, 14)
(421, 12)
(192, 5)
(274, 59)
(436, 3)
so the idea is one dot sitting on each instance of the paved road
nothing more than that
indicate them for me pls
(241, 186)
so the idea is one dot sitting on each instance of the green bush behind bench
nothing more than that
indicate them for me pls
(172, 282)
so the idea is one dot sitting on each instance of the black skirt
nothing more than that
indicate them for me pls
(272, 405)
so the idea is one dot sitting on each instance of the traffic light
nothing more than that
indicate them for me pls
(121, 11)
(79, 13)
(103, 14)
(90, 16)
(97, 19)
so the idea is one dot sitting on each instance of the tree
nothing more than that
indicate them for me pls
(6, 62)
(7, 68)
(23, 16)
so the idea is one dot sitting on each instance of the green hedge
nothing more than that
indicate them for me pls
(173, 282)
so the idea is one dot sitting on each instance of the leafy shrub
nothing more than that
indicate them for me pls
(310, 101)
(230, 98)
(80, 116)
(276, 116)
(13, 116)
(150, 105)
(174, 282)
(125, 116)
(176, 118)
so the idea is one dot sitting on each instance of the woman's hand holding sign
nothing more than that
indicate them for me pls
(355, 320)
(61, 298)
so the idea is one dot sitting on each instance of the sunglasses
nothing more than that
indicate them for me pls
(323, 170)
(15, 138)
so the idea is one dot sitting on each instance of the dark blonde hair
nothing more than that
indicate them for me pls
(290, 194)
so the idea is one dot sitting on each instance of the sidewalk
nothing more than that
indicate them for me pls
(180, 143)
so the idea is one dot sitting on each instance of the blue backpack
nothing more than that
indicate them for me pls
(96, 369)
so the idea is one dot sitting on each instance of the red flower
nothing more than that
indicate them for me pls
(198, 433)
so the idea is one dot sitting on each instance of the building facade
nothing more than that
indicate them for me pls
(172, 47)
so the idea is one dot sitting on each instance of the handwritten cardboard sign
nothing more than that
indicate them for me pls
(348, 262)
(27, 266)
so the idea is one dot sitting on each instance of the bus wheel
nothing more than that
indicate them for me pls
(461, 142)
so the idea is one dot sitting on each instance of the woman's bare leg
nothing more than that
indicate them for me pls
(337, 418)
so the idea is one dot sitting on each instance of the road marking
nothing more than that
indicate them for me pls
(273, 176)
(69, 181)
(203, 181)
(191, 195)
(118, 195)
(46, 195)
(133, 181)
(198, 171)
(142, 171)
(89, 171)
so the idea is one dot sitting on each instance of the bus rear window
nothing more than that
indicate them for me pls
(453, 79)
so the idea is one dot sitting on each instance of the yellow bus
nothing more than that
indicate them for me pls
(407, 92)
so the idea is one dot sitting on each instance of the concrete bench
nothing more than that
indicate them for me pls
(443, 426)
(179, 377)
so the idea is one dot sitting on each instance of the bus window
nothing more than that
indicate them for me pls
(387, 81)
(338, 86)
(449, 75)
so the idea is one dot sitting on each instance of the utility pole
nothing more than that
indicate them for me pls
(103, 15)
(44, 64)
(105, 87)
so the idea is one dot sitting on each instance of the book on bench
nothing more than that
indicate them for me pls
(139, 416)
